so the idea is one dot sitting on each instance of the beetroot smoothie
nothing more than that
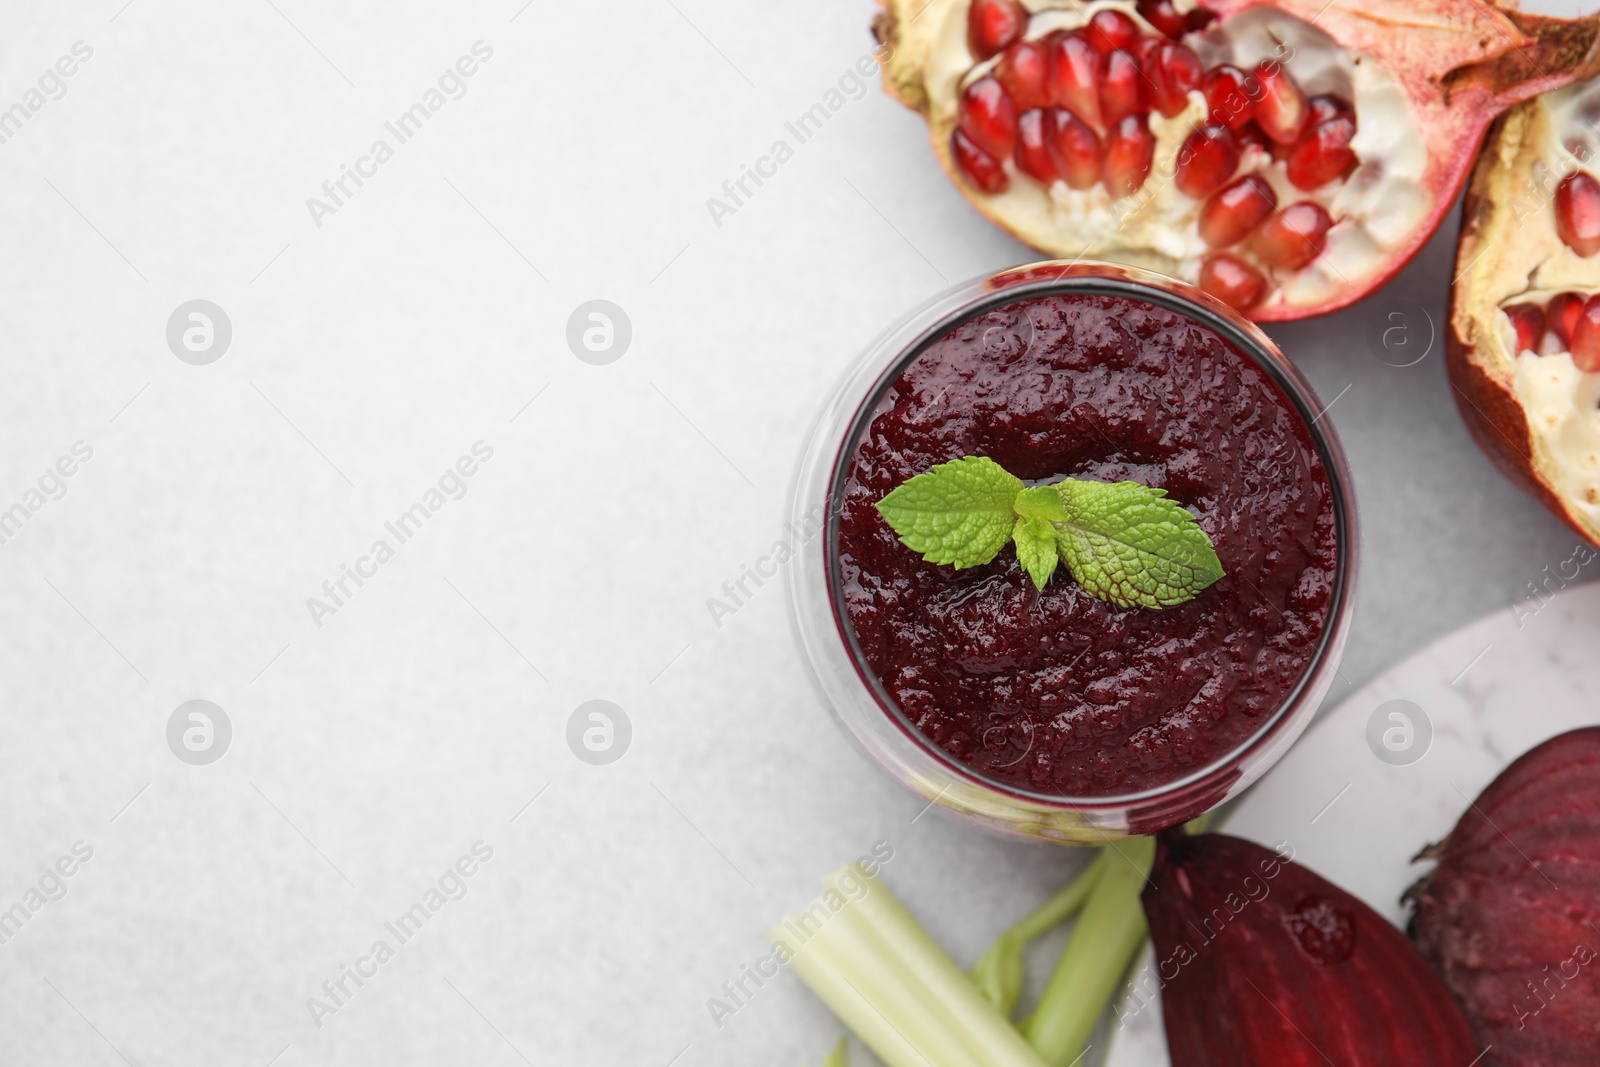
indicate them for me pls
(1056, 692)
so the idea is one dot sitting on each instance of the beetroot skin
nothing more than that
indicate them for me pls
(1264, 963)
(1510, 917)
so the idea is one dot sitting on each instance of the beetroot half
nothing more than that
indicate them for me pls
(1264, 963)
(1511, 915)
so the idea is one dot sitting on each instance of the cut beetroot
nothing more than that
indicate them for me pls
(1234, 210)
(978, 166)
(1130, 146)
(989, 117)
(1110, 29)
(1578, 213)
(1033, 156)
(1232, 281)
(992, 25)
(1121, 88)
(1282, 112)
(1323, 154)
(1561, 315)
(1586, 337)
(1163, 16)
(1293, 237)
(1510, 916)
(1174, 71)
(1024, 71)
(1075, 75)
(1207, 158)
(1264, 963)
(1076, 151)
(1231, 94)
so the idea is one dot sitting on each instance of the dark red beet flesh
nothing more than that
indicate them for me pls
(1264, 963)
(1511, 914)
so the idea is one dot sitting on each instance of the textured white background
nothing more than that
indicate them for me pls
(367, 355)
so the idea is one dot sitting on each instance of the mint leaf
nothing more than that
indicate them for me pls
(1127, 543)
(1123, 542)
(960, 513)
(1036, 548)
(1041, 502)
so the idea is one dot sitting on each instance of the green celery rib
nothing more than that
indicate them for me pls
(896, 991)
(828, 982)
(998, 975)
(1104, 943)
(881, 973)
(985, 1032)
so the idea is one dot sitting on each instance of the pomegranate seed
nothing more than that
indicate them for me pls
(1163, 16)
(1110, 29)
(1199, 18)
(1249, 135)
(1327, 106)
(1293, 237)
(1129, 148)
(992, 25)
(1232, 281)
(980, 168)
(989, 117)
(1033, 146)
(1145, 48)
(1231, 94)
(1282, 112)
(1208, 158)
(1175, 71)
(1323, 154)
(1122, 89)
(1586, 337)
(1024, 70)
(1528, 321)
(1075, 149)
(1562, 316)
(1235, 210)
(1578, 213)
(1075, 67)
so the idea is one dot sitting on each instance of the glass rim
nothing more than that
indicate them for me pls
(1095, 278)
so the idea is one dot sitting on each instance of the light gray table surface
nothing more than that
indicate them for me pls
(374, 345)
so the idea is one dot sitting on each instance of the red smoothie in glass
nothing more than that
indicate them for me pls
(1056, 692)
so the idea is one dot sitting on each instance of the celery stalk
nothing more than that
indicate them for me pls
(985, 1030)
(1103, 945)
(853, 1009)
(998, 975)
(880, 972)
(895, 990)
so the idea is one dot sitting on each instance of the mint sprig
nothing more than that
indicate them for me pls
(1121, 541)
(960, 513)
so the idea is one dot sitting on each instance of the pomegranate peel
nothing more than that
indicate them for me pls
(1266, 964)
(1400, 93)
(1532, 404)
(1510, 914)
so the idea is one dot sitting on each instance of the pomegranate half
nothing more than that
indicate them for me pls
(1287, 157)
(1524, 338)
